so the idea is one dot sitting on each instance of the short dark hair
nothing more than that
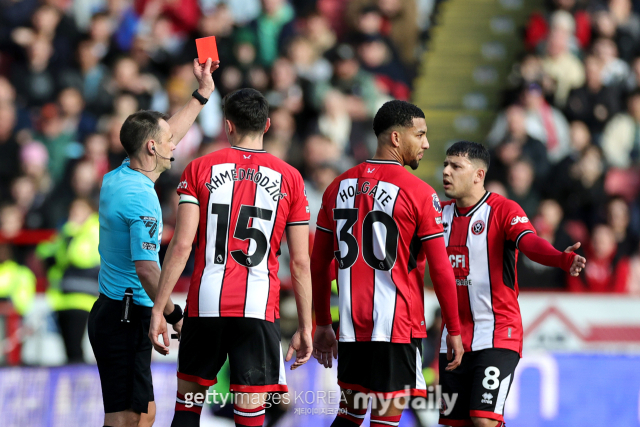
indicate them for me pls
(139, 128)
(246, 108)
(395, 113)
(472, 150)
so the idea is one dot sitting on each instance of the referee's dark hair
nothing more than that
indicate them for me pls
(395, 113)
(139, 128)
(248, 109)
(472, 150)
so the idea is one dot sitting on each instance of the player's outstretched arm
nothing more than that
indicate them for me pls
(444, 284)
(539, 250)
(181, 121)
(174, 261)
(325, 344)
(301, 342)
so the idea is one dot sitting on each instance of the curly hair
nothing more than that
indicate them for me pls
(395, 113)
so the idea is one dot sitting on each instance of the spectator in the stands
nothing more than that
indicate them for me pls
(59, 142)
(36, 80)
(618, 218)
(628, 28)
(516, 144)
(633, 82)
(629, 271)
(621, 137)
(92, 77)
(544, 123)
(593, 103)
(271, 30)
(285, 91)
(30, 201)
(77, 122)
(538, 25)
(362, 96)
(562, 65)
(548, 224)
(318, 31)
(83, 184)
(602, 273)
(11, 221)
(321, 177)
(378, 59)
(9, 149)
(520, 186)
(615, 71)
(34, 160)
(307, 60)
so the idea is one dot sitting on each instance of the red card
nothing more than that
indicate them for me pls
(207, 48)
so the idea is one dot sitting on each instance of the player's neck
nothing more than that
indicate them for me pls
(472, 198)
(387, 153)
(148, 167)
(252, 143)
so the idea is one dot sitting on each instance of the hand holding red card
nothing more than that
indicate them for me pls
(207, 48)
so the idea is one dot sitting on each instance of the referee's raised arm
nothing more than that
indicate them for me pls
(130, 238)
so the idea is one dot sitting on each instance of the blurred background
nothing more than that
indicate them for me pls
(552, 87)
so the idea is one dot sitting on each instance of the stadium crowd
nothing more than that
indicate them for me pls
(566, 147)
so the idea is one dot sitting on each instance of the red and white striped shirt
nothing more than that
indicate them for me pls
(379, 215)
(482, 243)
(246, 198)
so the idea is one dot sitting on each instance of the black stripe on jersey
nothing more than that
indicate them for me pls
(250, 150)
(509, 264)
(474, 208)
(493, 310)
(266, 307)
(414, 251)
(297, 222)
(431, 236)
(520, 236)
(326, 230)
(384, 162)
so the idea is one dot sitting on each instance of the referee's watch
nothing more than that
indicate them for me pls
(201, 99)
(175, 316)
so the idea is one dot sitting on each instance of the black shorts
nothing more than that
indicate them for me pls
(253, 346)
(390, 369)
(123, 353)
(482, 383)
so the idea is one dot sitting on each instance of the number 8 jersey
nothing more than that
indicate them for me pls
(246, 198)
(379, 214)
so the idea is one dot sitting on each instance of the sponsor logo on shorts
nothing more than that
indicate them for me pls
(517, 219)
(149, 246)
(487, 398)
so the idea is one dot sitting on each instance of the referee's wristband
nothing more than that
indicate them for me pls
(175, 316)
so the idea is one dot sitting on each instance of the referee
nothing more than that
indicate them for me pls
(130, 236)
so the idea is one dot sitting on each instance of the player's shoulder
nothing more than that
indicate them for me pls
(502, 203)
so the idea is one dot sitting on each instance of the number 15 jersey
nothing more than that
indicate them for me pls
(379, 214)
(246, 198)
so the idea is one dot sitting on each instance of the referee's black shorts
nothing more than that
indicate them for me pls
(123, 353)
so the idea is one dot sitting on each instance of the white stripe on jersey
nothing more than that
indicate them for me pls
(421, 384)
(480, 297)
(258, 276)
(282, 377)
(384, 294)
(502, 395)
(347, 331)
(447, 219)
(213, 274)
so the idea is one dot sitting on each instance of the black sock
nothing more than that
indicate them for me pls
(185, 419)
(343, 422)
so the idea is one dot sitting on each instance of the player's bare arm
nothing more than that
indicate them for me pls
(181, 121)
(177, 255)
(325, 344)
(301, 342)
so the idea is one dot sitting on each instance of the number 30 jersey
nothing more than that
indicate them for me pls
(246, 198)
(379, 214)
